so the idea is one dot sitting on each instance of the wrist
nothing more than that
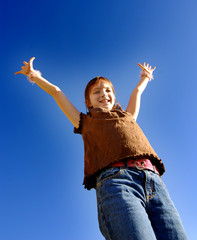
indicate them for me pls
(33, 74)
(145, 74)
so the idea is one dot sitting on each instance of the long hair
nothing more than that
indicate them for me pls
(89, 87)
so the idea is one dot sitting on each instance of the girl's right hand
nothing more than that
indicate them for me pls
(28, 68)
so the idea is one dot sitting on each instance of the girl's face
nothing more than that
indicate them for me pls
(101, 95)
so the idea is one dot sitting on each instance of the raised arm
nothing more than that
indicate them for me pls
(66, 106)
(135, 98)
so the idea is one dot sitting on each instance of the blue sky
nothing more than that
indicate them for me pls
(41, 163)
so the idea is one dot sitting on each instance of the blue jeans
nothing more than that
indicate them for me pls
(135, 204)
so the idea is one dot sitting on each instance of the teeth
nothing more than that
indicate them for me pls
(104, 101)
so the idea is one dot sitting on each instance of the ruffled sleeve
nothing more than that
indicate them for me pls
(79, 129)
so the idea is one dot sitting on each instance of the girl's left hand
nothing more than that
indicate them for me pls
(27, 68)
(146, 69)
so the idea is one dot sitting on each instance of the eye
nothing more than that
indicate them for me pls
(97, 91)
(108, 90)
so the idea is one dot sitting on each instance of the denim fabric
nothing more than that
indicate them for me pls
(135, 204)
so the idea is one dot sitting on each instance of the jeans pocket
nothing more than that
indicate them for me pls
(108, 174)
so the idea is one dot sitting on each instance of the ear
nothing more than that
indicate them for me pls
(88, 103)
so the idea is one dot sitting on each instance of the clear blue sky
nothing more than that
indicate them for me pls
(41, 159)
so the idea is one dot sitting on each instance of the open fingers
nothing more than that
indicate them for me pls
(140, 65)
(28, 66)
(17, 72)
(146, 67)
(152, 69)
(21, 71)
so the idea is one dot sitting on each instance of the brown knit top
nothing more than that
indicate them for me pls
(111, 136)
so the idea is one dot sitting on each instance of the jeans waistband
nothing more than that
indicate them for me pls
(140, 164)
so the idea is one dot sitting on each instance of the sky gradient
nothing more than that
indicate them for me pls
(41, 159)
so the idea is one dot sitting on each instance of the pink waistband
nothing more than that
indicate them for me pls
(140, 164)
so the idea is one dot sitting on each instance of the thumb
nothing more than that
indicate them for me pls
(31, 62)
(140, 65)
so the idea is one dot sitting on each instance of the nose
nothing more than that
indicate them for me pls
(104, 93)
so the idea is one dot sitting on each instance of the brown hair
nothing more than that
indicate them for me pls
(91, 84)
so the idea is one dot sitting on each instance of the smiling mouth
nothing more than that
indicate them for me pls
(105, 101)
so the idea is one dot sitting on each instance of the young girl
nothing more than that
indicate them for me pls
(133, 202)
